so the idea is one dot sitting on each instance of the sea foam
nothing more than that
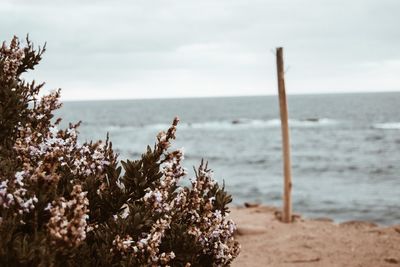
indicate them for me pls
(387, 126)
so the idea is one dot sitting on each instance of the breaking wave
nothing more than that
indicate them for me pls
(249, 124)
(387, 126)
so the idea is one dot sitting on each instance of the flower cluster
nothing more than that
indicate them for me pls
(147, 249)
(208, 223)
(67, 225)
(14, 194)
(13, 56)
(63, 203)
(43, 151)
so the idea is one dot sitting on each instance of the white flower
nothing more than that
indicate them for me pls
(19, 176)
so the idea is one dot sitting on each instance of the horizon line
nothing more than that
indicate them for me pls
(227, 96)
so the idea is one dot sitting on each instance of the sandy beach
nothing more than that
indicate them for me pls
(266, 241)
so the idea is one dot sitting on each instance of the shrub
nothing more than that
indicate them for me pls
(63, 203)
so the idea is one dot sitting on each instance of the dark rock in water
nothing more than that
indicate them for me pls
(312, 119)
(236, 122)
(374, 138)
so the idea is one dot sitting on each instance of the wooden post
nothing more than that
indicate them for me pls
(287, 198)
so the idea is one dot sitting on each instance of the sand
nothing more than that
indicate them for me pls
(266, 241)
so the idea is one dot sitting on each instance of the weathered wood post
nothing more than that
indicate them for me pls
(287, 172)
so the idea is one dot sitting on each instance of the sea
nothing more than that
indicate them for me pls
(345, 148)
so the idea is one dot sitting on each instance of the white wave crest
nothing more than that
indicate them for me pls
(249, 124)
(387, 126)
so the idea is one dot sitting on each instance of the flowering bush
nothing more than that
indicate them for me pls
(63, 203)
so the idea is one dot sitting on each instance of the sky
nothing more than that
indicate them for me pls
(124, 49)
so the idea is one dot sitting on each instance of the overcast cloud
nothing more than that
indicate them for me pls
(182, 48)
